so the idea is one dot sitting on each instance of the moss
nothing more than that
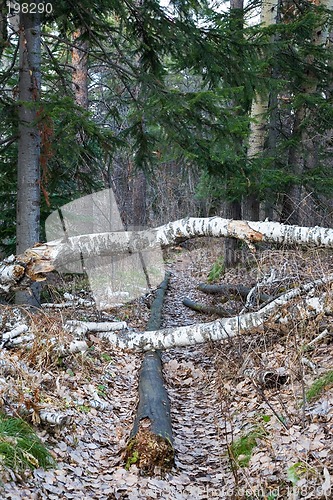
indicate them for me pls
(241, 449)
(147, 451)
(323, 383)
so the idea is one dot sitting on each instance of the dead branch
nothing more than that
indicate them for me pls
(220, 311)
(226, 328)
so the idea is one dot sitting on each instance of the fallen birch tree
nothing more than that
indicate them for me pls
(226, 328)
(35, 263)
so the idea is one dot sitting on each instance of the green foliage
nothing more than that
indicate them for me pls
(102, 390)
(20, 448)
(266, 418)
(323, 383)
(241, 449)
(133, 459)
(106, 357)
(172, 88)
(217, 270)
(297, 471)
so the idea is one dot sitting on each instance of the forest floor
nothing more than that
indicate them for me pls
(233, 437)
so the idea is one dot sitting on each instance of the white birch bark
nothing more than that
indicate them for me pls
(90, 326)
(260, 102)
(53, 417)
(226, 328)
(259, 109)
(41, 259)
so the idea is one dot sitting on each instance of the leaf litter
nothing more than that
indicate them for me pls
(213, 404)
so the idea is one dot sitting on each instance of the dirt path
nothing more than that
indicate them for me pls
(89, 454)
(211, 405)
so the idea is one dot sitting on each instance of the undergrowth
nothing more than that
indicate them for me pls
(20, 447)
(217, 270)
(318, 386)
(241, 449)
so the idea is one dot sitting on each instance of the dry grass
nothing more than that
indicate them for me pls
(285, 409)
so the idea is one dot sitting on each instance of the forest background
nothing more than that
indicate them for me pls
(188, 108)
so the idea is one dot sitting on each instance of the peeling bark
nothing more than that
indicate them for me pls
(36, 262)
(226, 328)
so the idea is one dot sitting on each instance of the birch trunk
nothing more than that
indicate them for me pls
(36, 262)
(226, 328)
(259, 112)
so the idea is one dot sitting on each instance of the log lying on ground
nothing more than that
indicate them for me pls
(226, 328)
(150, 442)
(220, 311)
(229, 289)
(37, 261)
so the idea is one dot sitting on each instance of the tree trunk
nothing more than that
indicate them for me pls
(150, 441)
(292, 200)
(36, 262)
(232, 290)
(251, 202)
(303, 151)
(279, 311)
(233, 209)
(28, 171)
(80, 69)
(80, 89)
(3, 26)
(203, 308)
(139, 190)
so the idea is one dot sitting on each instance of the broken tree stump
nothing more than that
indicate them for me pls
(151, 443)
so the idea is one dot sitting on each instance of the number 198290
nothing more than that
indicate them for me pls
(29, 8)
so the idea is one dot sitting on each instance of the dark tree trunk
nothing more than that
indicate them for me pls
(232, 210)
(3, 26)
(232, 291)
(28, 171)
(196, 306)
(139, 187)
(251, 207)
(292, 199)
(151, 439)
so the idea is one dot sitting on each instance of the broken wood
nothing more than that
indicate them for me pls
(35, 263)
(280, 310)
(220, 311)
(269, 378)
(151, 443)
(234, 290)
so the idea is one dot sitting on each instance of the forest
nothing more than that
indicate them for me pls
(166, 245)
